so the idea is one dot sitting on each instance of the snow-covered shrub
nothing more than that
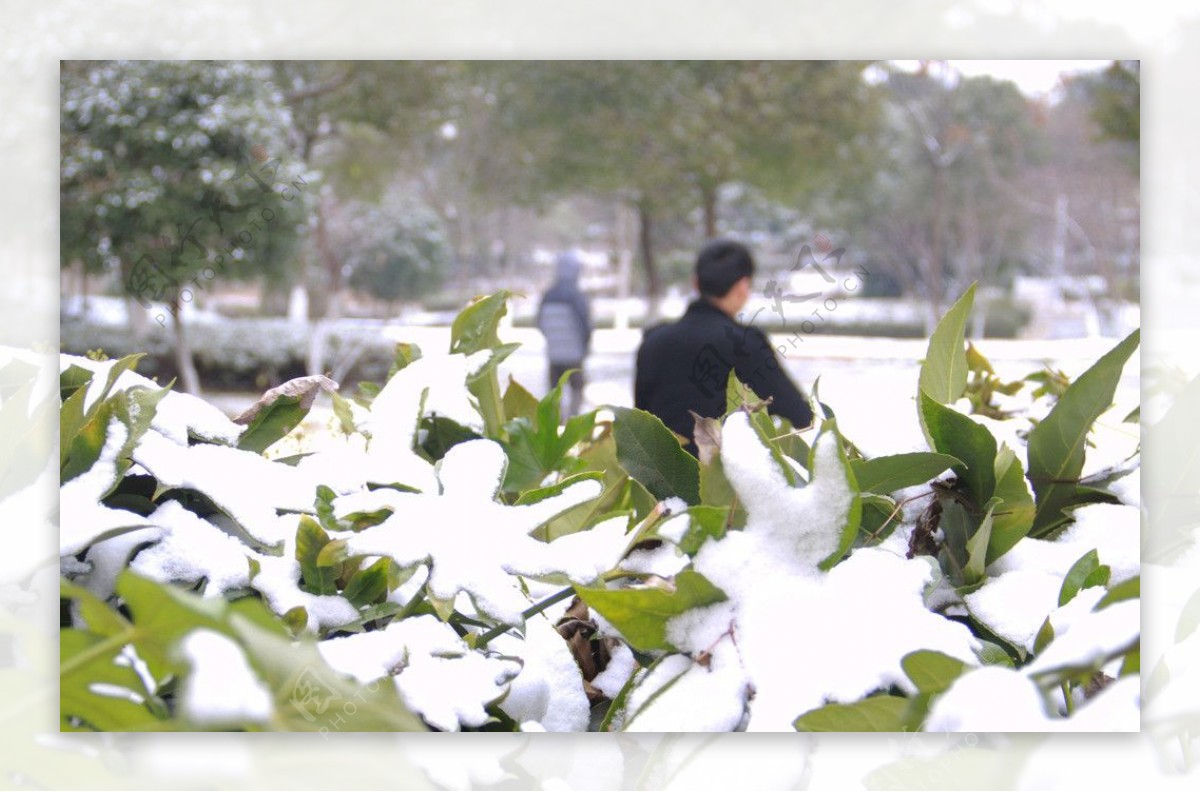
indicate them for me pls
(462, 559)
(241, 353)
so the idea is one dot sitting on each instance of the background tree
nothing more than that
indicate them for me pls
(164, 164)
(935, 213)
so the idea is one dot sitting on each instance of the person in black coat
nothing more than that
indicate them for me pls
(685, 365)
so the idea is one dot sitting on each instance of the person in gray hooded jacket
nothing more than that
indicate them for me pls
(564, 318)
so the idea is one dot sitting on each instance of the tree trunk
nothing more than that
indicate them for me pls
(330, 262)
(936, 284)
(83, 286)
(708, 196)
(333, 306)
(184, 361)
(646, 243)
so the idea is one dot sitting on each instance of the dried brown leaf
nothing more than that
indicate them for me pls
(303, 388)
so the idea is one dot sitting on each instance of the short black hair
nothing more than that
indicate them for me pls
(722, 263)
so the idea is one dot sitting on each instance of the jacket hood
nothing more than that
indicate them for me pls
(569, 264)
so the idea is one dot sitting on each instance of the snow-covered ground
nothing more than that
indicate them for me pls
(868, 382)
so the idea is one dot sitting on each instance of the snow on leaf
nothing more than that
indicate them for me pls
(222, 689)
(549, 689)
(471, 542)
(434, 671)
(177, 414)
(192, 549)
(774, 508)
(1091, 638)
(246, 486)
(418, 388)
(681, 694)
(280, 410)
(303, 389)
(770, 573)
(278, 580)
(83, 519)
(990, 699)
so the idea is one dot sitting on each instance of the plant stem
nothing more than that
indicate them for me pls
(532, 610)
(1066, 689)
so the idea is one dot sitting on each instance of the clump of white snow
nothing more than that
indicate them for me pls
(82, 518)
(222, 689)
(435, 672)
(990, 699)
(549, 690)
(471, 542)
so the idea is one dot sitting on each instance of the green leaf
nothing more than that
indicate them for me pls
(442, 434)
(1085, 495)
(641, 614)
(1132, 664)
(615, 715)
(957, 527)
(649, 452)
(279, 411)
(134, 408)
(1013, 516)
(99, 617)
(538, 446)
(599, 457)
(959, 436)
(367, 391)
(944, 371)
(370, 585)
(932, 672)
(308, 694)
(127, 363)
(738, 395)
(977, 546)
(344, 414)
(405, 354)
(846, 474)
(884, 475)
(89, 441)
(875, 525)
(874, 714)
(311, 539)
(90, 660)
(993, 654)
(1043, 638)
(475, 329)
(1125, 590)
(162, 614)
(72, 379)
(296, 620)
(311, 696)
(1099, 577)
(70, 422)
(1057, 443)
(715, 490)
(333, 553)
(1078, 573)
(704, 523)
(542, 493)
(518, 402)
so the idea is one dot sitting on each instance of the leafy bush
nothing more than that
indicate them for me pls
(461, 559)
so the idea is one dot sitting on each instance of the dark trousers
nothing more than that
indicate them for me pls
(574, 386)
